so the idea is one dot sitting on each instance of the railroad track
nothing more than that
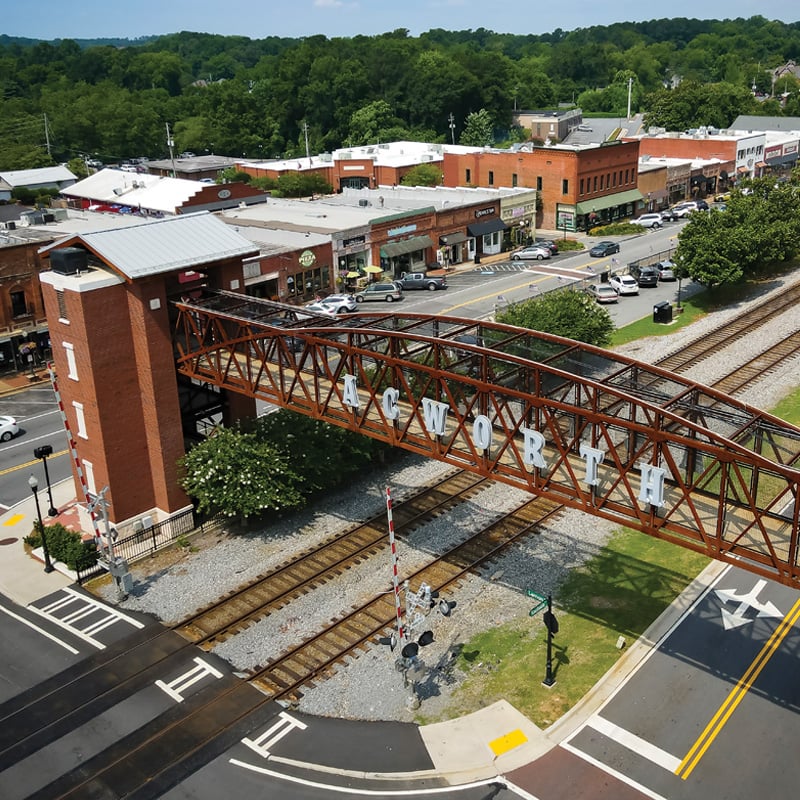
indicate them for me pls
(711, 343)
(317, 658)
(268, 593)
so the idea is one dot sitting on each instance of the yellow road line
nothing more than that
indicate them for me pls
(31, 463)
(724, 712)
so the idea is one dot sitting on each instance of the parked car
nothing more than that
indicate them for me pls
(669, 215)
(702, 205)
(387, 292)
(534, 251)
(646, 275)
(666, 270)
(422, 280)
(649, 221)
(334, 304)
(603, 292)
(604, 249)
(684, 209)
(624, 284)
(549, 244)
(8, 428)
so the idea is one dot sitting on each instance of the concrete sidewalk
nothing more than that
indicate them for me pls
(22, 575)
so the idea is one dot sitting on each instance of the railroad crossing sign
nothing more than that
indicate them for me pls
(541, 602)
(737, 617)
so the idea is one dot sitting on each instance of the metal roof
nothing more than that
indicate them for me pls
(136, 190)
(179, 242)
(36, 177)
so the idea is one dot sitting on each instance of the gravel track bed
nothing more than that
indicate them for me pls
(369, 687)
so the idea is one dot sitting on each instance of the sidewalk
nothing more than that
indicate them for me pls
(22, 576)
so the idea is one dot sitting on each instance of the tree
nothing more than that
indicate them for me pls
(478, 129)
(423, 175)
(567, 312)
(239, 474)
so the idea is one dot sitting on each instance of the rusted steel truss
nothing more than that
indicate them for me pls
(591, 429)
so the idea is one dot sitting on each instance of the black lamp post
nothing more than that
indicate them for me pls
(551, 623)
(34, 484)
(42, 452)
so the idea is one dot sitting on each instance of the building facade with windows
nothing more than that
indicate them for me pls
(107, 296)
(572, 182)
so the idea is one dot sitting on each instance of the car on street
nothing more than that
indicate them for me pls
(8, 428)
(334, 304)
(603, 292)
(669, 215)
(702, 205)
(624, 284)
(649, 221)
(549, 244)
(684, 209)
(387, 292)
(535, 251)
(666, 270)
(604, 249)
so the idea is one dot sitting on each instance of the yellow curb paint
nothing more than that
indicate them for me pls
(14, 520)
(508, 742)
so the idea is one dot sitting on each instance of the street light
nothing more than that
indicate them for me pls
(42, 452)
(34, 484)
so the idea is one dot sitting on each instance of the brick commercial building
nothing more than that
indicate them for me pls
(107, 296)
(576, 185)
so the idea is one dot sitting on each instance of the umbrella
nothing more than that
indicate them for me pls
(352, 274)
(373, 270)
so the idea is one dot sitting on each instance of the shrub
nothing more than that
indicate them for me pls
(64, 545)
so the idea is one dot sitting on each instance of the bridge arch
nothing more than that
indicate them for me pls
(594, 430)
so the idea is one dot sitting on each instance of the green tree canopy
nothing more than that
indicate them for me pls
(566, 312)
(478, 129)
(423, 175)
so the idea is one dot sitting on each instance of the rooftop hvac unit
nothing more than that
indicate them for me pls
(11, 225)
(48, 217)
(69, 260)
(363, 203)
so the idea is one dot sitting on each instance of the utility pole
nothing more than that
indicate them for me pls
(452, 127)
(630, 85)
(171, 146)
(47, 135)
(305, 132)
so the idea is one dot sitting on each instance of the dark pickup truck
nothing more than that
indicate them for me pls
(422, 280)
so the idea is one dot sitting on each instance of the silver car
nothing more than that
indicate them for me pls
(666, 270)
(388, 292)
(8, 428)
(535, 252)
(334, 304)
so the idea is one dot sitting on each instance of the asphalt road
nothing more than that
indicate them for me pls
(39, 418)
(479, 290)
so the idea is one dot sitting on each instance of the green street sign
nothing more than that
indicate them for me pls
(542, 602)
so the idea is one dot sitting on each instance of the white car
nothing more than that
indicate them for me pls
(534, 251)
(624, 284)
(684, 209)
(649, 221)
(334, 304)
(8, 428)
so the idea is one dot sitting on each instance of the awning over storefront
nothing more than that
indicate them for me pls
(490, 226)
(453, 238)
(391, 249)
(761, 164)
(609, 201)
(781, 160)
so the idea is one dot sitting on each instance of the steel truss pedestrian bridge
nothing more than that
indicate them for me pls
(593, 430)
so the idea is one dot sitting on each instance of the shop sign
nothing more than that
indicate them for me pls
(355, 240)
(401, 230)
(484, 212)
(307, 259)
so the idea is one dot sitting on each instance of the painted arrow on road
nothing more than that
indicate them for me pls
(733, 619)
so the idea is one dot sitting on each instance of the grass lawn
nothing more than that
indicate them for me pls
(618, 593)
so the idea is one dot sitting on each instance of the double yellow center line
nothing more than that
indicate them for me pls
(737, 695)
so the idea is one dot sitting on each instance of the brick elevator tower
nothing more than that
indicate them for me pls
(107, 298)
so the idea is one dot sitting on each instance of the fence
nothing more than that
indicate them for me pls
(148, 540)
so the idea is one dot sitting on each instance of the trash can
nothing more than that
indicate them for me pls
(477, 258)
(662, 312)
(604, 276)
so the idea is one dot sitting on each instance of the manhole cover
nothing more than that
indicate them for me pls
(8, 541)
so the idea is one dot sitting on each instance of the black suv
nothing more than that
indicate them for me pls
(645, 275)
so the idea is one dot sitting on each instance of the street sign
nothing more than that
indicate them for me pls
(540, 604)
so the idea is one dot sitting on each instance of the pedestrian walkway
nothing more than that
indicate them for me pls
(22, 575)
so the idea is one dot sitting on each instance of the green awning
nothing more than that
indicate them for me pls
(609, 201)
(391, 249)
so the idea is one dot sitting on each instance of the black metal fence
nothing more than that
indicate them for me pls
(148, 540)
